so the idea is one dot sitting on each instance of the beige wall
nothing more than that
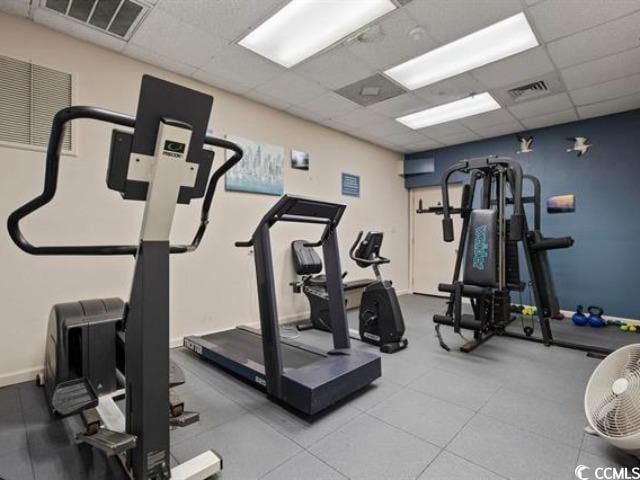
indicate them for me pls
(213, 288)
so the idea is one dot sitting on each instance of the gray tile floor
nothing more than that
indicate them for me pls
(511, 409)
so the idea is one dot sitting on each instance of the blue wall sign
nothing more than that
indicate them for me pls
(350, 185)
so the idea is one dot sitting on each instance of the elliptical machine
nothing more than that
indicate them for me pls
(380, 318)
(162, 163)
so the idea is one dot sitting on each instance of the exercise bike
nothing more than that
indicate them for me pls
(380, 318)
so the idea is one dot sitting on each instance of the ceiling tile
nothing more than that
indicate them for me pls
(165, 35)
(542, 106)
(335, 68)
(361, 118)
(551, 119)
(451, 89)
(606, 91)
(395, 46)
(613, 67)
(229, 19)
(426, 144)
(387, 128)
(610, 106)
(448, 20)
(342, 127)
(600, 41)
(444, 129)
(220, 81)
(265, 99)
(489, 119)
(499, 130)
(15, 7)
(292, 88)
(234, 61)
(400, 105)
(407, 138)
(514, 69)
(75, 29)
(555, 19)
(458, 138)
(304, 113)
(153, 58)
(329, 105)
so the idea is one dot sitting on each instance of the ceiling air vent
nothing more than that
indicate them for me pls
(115, 17)
(528, 91)
(370, 90)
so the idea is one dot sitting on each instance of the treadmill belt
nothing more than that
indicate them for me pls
(241, 343)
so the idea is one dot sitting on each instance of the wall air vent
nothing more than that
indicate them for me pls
(528, 91)
(114, 17)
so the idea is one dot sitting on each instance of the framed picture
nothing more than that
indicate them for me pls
(561, 204)
(350, 185)
(299, 160)
(259, 171)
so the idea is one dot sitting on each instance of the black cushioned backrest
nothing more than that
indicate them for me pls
(481, 251)
(306, 261)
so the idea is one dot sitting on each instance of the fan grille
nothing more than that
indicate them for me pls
(615, 415)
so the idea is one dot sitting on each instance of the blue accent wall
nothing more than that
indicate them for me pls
(603, 266)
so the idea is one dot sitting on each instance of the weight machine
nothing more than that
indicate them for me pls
(487, 267)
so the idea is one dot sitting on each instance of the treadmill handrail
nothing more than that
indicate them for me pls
(279, 213)
(52, 166)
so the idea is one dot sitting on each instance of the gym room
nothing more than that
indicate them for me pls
(319, 239)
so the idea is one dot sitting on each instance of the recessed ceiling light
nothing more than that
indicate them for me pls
(500, 40)
(303, 28)
(448, 112)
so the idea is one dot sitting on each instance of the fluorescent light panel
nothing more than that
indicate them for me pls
(449, 112)
(500, 40)
(303, 27)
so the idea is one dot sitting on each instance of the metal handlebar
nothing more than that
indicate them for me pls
(469, 165)
(366, 261)
(51, 182)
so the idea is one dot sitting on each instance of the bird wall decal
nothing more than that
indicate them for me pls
(580, 145)
(526, 144)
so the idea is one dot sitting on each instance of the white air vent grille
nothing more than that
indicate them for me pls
(29, 98)
(525, 92)
(115, 17)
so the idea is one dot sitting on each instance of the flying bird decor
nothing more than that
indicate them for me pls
(526, 144)
(580, 145)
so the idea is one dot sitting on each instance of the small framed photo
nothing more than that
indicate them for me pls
(561, 204)
(299, 160)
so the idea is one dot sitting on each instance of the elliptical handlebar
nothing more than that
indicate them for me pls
(52, 167)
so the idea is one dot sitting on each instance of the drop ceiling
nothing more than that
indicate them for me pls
(589, 58)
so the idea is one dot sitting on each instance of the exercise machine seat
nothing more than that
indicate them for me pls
(306, 260)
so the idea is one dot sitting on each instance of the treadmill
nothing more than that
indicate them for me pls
(297, 375)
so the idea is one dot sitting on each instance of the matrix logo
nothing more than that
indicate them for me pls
(582, 472)
(175, 149)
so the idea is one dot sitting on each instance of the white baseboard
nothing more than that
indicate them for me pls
(20, 376)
